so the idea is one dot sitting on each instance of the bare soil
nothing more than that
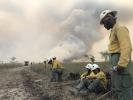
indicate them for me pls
(22, 83)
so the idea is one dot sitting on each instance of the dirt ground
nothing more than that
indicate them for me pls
(11, 87)
(21, 83)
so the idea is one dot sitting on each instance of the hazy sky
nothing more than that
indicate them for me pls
(37, 29)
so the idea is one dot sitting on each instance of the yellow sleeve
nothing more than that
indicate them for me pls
(92, 75)
(83, 75)
(59, 65)
(125, 46)
(101, 76)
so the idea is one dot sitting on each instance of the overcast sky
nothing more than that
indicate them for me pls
(37, 29)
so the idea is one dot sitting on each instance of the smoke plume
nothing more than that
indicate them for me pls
(35, 30)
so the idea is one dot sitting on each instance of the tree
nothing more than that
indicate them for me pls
(92, 58)
(86, 55)
(105, 55)
(13, 59)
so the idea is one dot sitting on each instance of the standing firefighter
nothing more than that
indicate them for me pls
(120, 51)
(57, 70)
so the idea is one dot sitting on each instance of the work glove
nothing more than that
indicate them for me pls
(118, 69)
(115, 68)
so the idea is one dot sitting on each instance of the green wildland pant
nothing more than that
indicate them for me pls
(91, 85)
(83, 84)
(121, 82)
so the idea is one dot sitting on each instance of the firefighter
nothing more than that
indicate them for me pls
(84, 81)
(99, 81)
(57, 70)
(87, 73)
(120, 49)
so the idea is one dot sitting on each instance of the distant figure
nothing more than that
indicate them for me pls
(50, 63)
(45, 66)
(26, 63)
(57, 70)
(120, 49)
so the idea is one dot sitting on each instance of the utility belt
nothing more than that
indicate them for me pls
(114, 54)
(117, 54)
(58, 69)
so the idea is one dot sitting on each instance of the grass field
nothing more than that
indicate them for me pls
(36, 79)
(70, 67)
(10, 65)
(73, 67)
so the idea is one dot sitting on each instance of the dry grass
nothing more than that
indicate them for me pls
(69, 67)
(10, 65)
(72, 67)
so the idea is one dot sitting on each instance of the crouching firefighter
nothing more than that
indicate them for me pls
(84, 81)
(95, 82)
(99, 81)
(57, 70)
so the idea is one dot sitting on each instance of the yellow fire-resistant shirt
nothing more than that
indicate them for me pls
(57, 64)
(101, 75)
(120, 43)
(84, 75)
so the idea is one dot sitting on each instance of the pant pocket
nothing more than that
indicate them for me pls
(126, 81)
